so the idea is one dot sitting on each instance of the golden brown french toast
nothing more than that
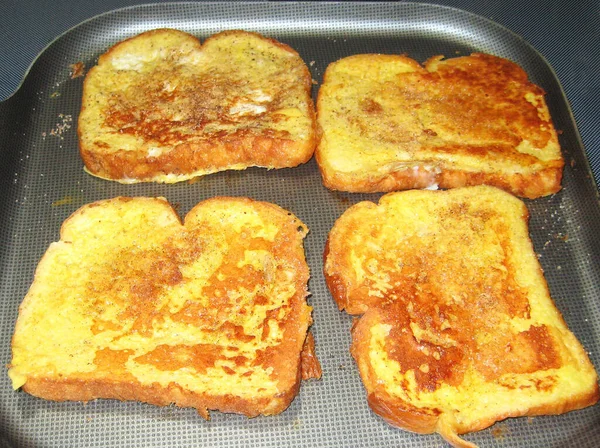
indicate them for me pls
(458, 329)
(163, 107)
(132, 304)
(389, 123)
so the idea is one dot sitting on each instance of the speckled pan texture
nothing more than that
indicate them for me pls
(43, 182)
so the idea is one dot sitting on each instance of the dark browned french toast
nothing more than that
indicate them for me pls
(457, 327)
(163, 107)
(390, 124)
(134, 305)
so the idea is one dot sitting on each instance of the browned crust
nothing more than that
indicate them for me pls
(309, 363)
(402, 415)
(574, 402)
(211, 155)
(81, 210)
(87, 390)
(334, 282)
(281, 45)
(395, 412)
(541, 183)
(122, 43)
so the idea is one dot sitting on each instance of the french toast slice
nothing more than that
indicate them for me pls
(457, 327)
(132, 304)
(389, 123)
(163, 107)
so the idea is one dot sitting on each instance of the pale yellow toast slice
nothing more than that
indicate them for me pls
(164, 107)
(389, 123)
(457, 327)
(132, 304)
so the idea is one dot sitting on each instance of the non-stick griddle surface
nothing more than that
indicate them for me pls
(43, 182)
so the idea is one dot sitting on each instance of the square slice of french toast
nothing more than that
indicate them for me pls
(164, 107)
(132, 304)
(389, 123)
(457, 328)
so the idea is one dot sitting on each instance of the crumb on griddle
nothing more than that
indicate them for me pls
(77, 70)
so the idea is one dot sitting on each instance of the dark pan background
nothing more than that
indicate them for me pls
(42, 183)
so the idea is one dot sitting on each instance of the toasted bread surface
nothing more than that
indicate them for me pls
(134, 305)
(458, 329)
(163, 107)
(389, 123)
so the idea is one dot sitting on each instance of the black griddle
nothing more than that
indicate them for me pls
(43, 182)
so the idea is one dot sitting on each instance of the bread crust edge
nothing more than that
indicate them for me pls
(541, 183)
